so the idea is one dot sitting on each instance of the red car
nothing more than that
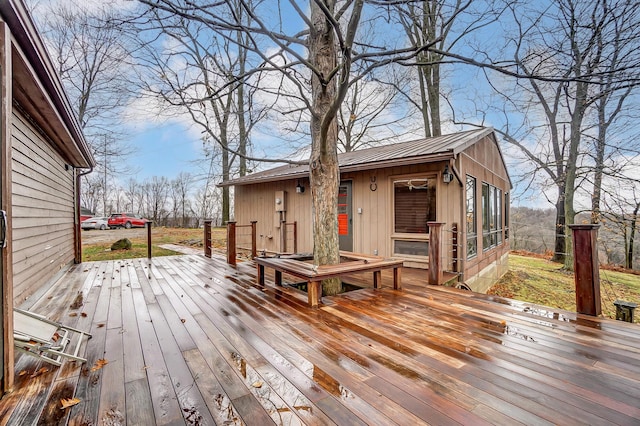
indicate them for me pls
(126, 220)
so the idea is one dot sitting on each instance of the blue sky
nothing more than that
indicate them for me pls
(165, 149)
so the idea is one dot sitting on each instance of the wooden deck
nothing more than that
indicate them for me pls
(193, 341)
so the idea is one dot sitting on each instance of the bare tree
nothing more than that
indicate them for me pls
(372, 114)
(93, 64)
(318, 64)
(92, 192)
(621, 218)
(156, 193)
(202, 73)
(180, 189)
(442, 24)
(567, 57)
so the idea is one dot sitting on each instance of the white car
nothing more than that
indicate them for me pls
(95, 223)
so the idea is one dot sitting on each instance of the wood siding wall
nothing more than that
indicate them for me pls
(373, 228)
(43, 210)
(483, 162)
(372, 192)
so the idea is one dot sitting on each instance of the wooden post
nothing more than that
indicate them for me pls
(6, 254)
(207, 238)
(231, 243)
(254, 249)
(314, 293)
(435, 253)
(397, 278)
(148, 226)
(295, 236)
(586, 269)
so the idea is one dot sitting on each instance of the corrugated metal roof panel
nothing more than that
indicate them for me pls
(437, 148)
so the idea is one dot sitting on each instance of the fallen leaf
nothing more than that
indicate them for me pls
(73, 314)
(55, 337)
(99, 364)
(100, 325)
(23, 373)
(42, 370)
(70, 402)
(257, 385)
(83, 314)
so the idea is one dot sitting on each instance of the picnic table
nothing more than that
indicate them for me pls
(314, 275)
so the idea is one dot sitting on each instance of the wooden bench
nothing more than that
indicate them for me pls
(315, 275)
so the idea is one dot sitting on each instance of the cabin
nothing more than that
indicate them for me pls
(389, 198)
(42, 155)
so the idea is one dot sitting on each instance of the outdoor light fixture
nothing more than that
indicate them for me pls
(299, 188)
(447, 176)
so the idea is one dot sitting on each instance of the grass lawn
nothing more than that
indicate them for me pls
(184, 236)
(540, 281)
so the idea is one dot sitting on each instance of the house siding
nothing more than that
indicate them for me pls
(43, 210)
(373, 229)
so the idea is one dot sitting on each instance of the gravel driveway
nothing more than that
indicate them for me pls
(111, 235)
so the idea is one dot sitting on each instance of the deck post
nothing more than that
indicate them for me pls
(436, 273)
(231, 242)
(207, 238)
(254, 250)
(314, 293)
(586, 269)
(148, 226)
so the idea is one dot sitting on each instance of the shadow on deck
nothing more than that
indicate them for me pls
(190, 340)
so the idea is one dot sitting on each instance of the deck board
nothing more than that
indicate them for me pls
(192, 340)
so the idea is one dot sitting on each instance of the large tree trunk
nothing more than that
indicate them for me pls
(560, 241)
(226, 201)
(632, 235)
(323, 164)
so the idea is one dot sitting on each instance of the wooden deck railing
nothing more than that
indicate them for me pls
(232, 240)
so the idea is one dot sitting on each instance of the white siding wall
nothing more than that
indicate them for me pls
(43, 210)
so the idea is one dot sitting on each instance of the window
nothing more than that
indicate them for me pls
(472, 227)
(414, 202)
(414, 205)
(491, 216)
(506, 215)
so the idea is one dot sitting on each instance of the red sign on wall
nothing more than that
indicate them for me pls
(343, 224)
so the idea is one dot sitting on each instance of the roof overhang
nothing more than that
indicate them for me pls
(37, 89)
(302, 171)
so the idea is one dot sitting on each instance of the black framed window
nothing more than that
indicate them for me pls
(491, 216)
(472, 227)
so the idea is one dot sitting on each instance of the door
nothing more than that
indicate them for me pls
(345, 217)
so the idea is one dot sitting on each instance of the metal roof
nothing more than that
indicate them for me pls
(404, 153)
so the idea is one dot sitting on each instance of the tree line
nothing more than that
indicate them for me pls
(184, 201)
(533, 230)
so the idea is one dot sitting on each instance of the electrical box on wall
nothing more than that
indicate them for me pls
(281, 201)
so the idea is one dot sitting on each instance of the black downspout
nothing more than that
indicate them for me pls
(77, 235)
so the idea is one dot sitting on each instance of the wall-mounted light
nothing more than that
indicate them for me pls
(299, 188)
(447, 176)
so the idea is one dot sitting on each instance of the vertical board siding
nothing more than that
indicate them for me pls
(43, 210)
(483, 161)
(373, 228)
